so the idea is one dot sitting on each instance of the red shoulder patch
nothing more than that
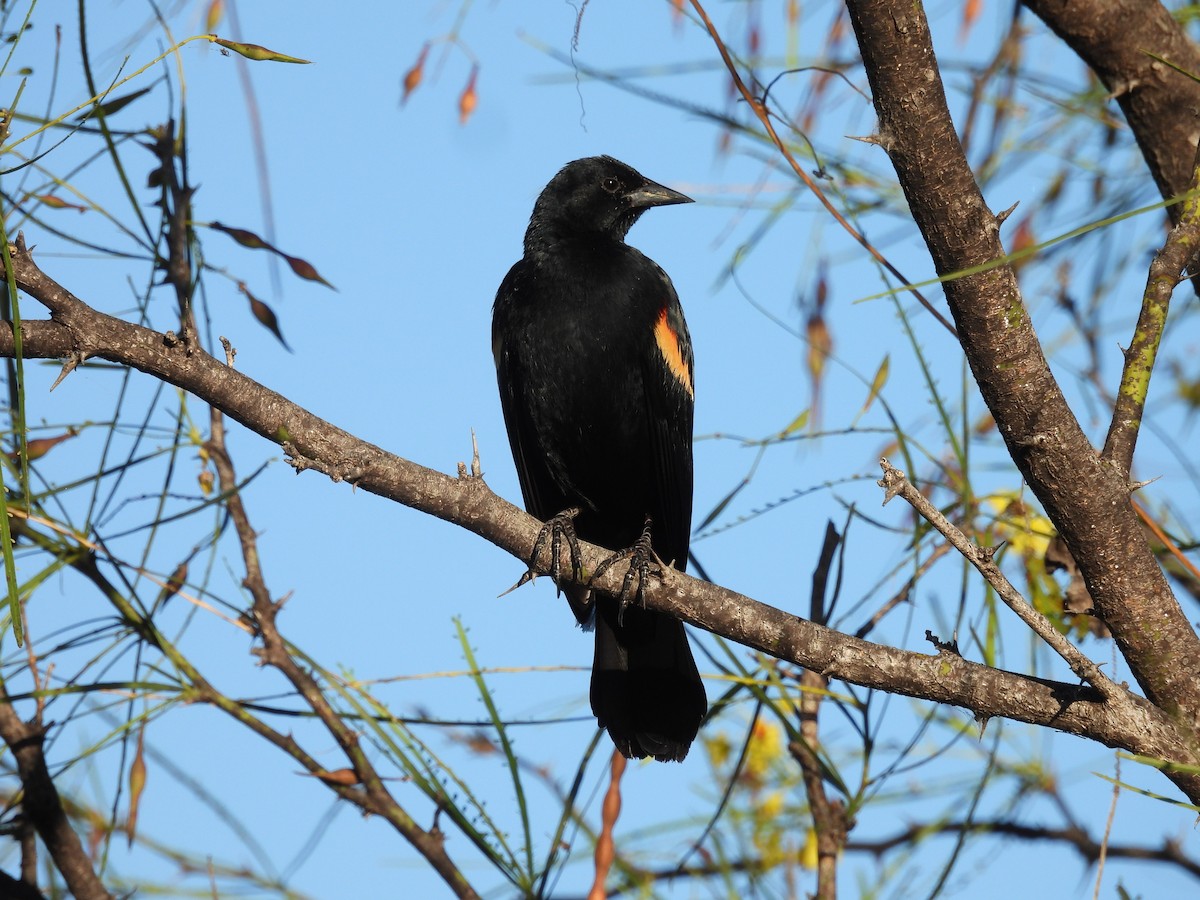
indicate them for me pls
(668, 344)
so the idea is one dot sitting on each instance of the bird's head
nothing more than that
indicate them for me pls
(599, 194)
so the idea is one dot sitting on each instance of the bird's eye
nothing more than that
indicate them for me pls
(610, 184)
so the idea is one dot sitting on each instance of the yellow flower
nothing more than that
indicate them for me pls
(766, 745)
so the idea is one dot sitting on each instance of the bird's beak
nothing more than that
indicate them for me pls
(653, 194)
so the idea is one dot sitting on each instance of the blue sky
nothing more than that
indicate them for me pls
(415, 219)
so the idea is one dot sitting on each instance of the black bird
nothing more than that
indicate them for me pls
(594, 363)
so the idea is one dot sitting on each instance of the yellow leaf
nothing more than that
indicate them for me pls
(797, 424)
(808, 855)
(877, 383)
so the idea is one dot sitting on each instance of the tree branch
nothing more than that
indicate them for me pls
(376, 798)
(895, 482)
(1166, 271)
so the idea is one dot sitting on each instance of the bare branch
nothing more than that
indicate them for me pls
(1166, 271)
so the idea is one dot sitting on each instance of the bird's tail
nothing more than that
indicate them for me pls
(646, 690)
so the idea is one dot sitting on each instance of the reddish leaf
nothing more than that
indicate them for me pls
(55, 202)
(971, 11)
(243, 237)
(39, 447)
(469, 99)
(412, 77)
(1023, 239)
(265, 315)
(304, 269)
(342, 777)
(301, 267)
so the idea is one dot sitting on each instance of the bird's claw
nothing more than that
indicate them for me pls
(557, 529)
(643, 563)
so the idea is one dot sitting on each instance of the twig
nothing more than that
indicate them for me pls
(1166, 271)
(895, 482)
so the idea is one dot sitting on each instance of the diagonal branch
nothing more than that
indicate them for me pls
(895, 482)
(378, 799)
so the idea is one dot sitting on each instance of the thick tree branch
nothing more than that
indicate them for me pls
(1115, 38)
(1086, 498)
(466, 501)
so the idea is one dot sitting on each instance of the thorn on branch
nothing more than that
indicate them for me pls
(873, 139)
(1001, 217)
(1138, 485)
(982, 721)
(74, 361)
(987, 554)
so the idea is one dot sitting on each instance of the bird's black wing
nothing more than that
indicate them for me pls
(543, 497)
(669, 406)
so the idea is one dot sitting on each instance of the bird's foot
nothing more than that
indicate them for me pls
(557, 530)
(643, 563)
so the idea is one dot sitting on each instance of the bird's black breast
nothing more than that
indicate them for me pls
(595, 414)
